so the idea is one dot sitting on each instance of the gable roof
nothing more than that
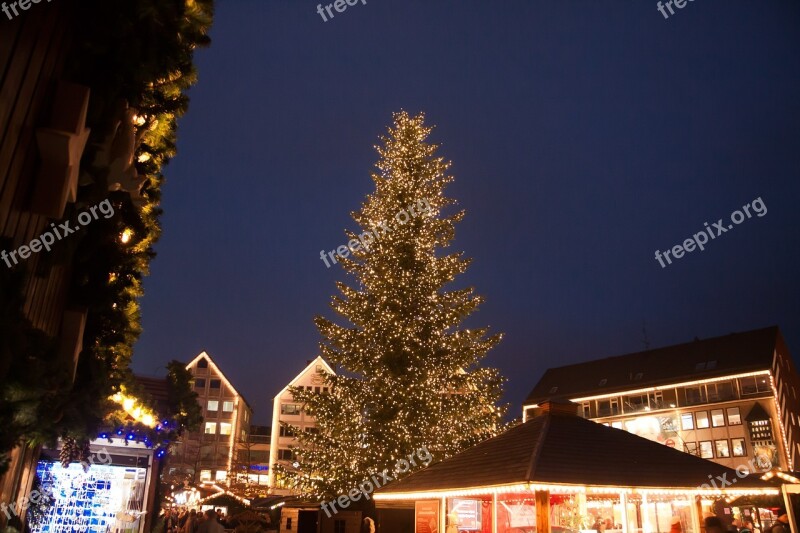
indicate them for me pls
(701, 359)
(216, 368)
(312, 363)
(555, 448)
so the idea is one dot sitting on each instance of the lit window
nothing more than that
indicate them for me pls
(706, 449)
(287, 431)
(200, 383)
(738, 447)
(224, 428)
(213, 405)
(244, 435)
(722, 448)
(205, 475)
(687, 422)
(691, 448)
(734, 417)
(717, 418)
(211, 428)
(202, 363)
(617, 425)
(228, 407)
(290, 409)
(222, 475)
(214, 383)
(702, 419)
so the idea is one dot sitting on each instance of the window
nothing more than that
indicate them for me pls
(214, 383)
(339, 526)
(738, 447)
(224, 428)
(286, 431)
(722, 448)
(717, 418)
(587, 409)
(200, 383)
(205, 475)
(285, 455)
(222, 475)
(211, 428)
(312, 429)
(316, 389)
(288, 524)
(706, 450)
(687, 422)
(691, 448)
(202, 363)
(290, 409)
(617, 425)
(748, 385)
(702, 419)
(695, 395)
(720, 392)
(228, 407)
(244, 435)
(734, 417)
(213, 405)
(324, 390)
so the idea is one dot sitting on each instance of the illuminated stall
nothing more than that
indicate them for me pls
(562, 473)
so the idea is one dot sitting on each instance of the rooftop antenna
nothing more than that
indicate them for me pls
(645, 338)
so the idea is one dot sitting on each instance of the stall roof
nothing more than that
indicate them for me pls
(556, 447)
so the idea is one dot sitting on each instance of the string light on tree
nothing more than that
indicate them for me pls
(409, 376)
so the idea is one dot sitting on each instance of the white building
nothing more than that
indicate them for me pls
(286, 410)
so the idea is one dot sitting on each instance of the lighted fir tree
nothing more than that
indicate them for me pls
(407, 372)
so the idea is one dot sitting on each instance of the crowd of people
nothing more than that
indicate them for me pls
(185, 521)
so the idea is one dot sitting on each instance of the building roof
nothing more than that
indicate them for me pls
(310, 364)
(701, 359)
(217, 369)
(557, 448)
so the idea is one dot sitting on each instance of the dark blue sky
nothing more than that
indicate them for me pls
(584, 135)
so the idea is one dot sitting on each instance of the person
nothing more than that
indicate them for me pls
(714, 525)
(191, 523)
(211, 525)
(368, 525)
(675, 525)
(747, 526)
(170, 521)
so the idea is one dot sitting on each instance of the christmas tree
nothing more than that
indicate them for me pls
(407, 373)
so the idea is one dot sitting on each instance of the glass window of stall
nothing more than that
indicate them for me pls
(469, 514)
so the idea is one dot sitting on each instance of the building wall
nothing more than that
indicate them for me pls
(226, 422)
(707, 418)
(286, 410)
(787, 389)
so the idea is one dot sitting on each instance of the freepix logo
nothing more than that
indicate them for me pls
(701, 238)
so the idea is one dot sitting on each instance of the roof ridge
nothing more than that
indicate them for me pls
(537, 450)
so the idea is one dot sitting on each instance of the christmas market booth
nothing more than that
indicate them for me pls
(562, 473)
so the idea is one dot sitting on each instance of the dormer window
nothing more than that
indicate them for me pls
(202, 363)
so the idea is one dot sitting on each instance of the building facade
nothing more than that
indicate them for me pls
(286, 410)
(731, 399)
(210, 453)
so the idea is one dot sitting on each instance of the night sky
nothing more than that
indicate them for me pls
(584, 136)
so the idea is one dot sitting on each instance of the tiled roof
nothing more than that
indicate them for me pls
(558, 448)
(700, 359)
